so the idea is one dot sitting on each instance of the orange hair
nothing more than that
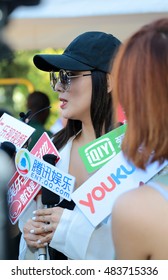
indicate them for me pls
(140, 79)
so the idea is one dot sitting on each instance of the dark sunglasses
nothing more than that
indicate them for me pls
(64, 78)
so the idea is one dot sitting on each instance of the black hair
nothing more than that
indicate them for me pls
(101, 104)
(101, 112)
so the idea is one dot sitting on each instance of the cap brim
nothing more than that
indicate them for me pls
(52, 62)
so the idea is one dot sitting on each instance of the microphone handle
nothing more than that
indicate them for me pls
(49, 198)
(42, 253)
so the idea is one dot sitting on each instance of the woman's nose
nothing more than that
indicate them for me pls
(58, 87)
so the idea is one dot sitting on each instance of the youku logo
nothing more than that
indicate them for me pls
(100, 152)
(22, 162)
(99, 191)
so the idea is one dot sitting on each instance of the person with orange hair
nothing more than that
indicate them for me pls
(140, 216)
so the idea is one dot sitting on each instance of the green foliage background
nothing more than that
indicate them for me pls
(20, 65)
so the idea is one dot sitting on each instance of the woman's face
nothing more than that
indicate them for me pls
(76, 100)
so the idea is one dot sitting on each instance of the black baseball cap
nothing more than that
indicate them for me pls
(91, 50)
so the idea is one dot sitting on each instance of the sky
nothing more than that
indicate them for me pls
(77, 8)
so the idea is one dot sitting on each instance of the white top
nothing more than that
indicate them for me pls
(75, 236)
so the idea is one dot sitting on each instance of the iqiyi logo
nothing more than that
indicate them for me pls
(100, 152)
(97, 153)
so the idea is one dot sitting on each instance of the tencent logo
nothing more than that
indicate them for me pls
(22, 161)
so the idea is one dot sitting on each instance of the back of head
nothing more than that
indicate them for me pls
(141, 86)
(36, 101)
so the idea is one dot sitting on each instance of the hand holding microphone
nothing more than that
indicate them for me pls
(52, 200)
(48, 198)
(50, 216)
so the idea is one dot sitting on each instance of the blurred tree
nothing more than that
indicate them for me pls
(20, 65)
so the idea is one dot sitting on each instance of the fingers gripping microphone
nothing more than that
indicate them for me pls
(48, 198)
(52, 200)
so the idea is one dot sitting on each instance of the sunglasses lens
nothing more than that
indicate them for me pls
(53, 80)
(63, 77)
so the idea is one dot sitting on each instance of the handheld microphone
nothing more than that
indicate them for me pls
(5, 175)
(49, 198)
(42, 254)
(52, 200)
(8, 148)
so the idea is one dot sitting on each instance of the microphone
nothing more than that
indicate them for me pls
(49, 198)
(24, 117)
(43, 109)
(9, 148)
(42, 254)
(5, 175)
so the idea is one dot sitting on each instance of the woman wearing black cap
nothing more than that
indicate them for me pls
(84, 88)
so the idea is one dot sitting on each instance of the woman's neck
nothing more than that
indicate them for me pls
(87, 135)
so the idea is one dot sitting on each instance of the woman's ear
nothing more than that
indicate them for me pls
(109, 83)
